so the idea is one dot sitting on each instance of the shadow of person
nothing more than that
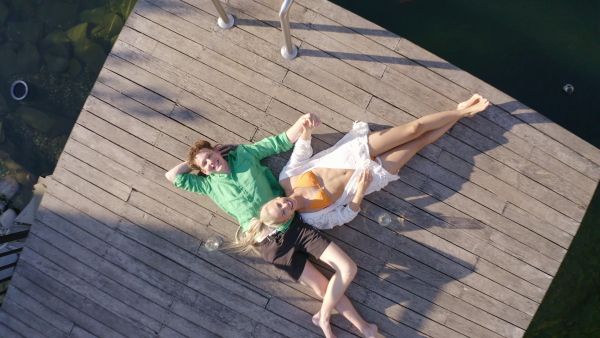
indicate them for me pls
(416, 270)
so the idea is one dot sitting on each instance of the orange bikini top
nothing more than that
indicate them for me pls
(320, 200)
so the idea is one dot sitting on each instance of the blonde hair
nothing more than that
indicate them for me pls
(246, 241)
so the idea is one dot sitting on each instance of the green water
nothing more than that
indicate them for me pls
(529, 49)
(57, 48)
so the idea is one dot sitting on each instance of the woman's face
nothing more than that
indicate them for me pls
(281, 209)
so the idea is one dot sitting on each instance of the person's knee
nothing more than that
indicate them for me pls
(348, 270)
(416, 127)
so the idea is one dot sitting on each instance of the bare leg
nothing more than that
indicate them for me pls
(382, 141)
(345, 270)
(395, 158)
(314, 279)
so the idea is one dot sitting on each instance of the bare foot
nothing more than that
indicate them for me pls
(469, 102)
(316, 317)
(326, 327)
(370, 331)
(480, 106)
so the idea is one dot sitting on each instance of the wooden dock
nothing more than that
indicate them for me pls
(481, 219)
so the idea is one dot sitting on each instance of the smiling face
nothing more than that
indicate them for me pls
(210, 161)
(281, 209)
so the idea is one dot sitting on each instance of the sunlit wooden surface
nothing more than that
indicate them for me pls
(481, 219)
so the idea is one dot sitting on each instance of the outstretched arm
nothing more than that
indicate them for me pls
(297, 128)
(181, 168)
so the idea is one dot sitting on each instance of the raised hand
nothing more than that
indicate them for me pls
(223, 149)
(310, 121)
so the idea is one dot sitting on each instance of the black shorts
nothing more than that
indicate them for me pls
(289, 250)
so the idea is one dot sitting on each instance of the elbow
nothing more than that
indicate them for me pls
(169, 176)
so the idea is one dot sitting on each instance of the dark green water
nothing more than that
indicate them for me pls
(529, 49)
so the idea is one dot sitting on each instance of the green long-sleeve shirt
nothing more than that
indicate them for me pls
(250, 184)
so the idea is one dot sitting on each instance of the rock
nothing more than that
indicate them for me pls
(78, 32)
(75, 67)
(8, 218)
(44, 122)
(58, 14)
(90, 53)
(17, 171)
(53, 39)
(56, 64)
(125, 6)
(110, 26)
(36, 118)
(24, 31)
(24, 9)
(3, 13)
(8, 187)
(8, 59)
(3, 108)
(28, 59)
(2, 135)
(93, 15)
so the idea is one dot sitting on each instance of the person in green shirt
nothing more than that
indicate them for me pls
(241, 185)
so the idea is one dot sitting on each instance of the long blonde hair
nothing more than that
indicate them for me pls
(246, 241)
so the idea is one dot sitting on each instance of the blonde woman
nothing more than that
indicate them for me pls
(327, 189)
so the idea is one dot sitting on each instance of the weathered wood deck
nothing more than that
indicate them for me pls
(482, 218)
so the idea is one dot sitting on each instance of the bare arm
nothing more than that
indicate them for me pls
(181, 168)
(297, 129)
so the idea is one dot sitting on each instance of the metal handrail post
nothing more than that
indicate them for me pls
(225, 20)
(288, 50)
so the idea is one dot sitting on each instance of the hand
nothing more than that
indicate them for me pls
(364, 181)
(310, 121)
(223, 149)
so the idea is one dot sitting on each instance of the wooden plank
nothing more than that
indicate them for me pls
(181, 96)
(82, 311)
(188, 64)
(523, 166)
(95, 286)
(17, 325)
(57, 320)
(81, 333)
(6, 331)
(175, 326)
(129, 98)
(445, 283)
(473, 238)
(171, 18)
(163, 280)
(233, 109)
(329, 99)
(110, 272)
(201, 55)
(37, 325)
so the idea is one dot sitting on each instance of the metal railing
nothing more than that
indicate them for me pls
(288, 51)
(225, 20)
